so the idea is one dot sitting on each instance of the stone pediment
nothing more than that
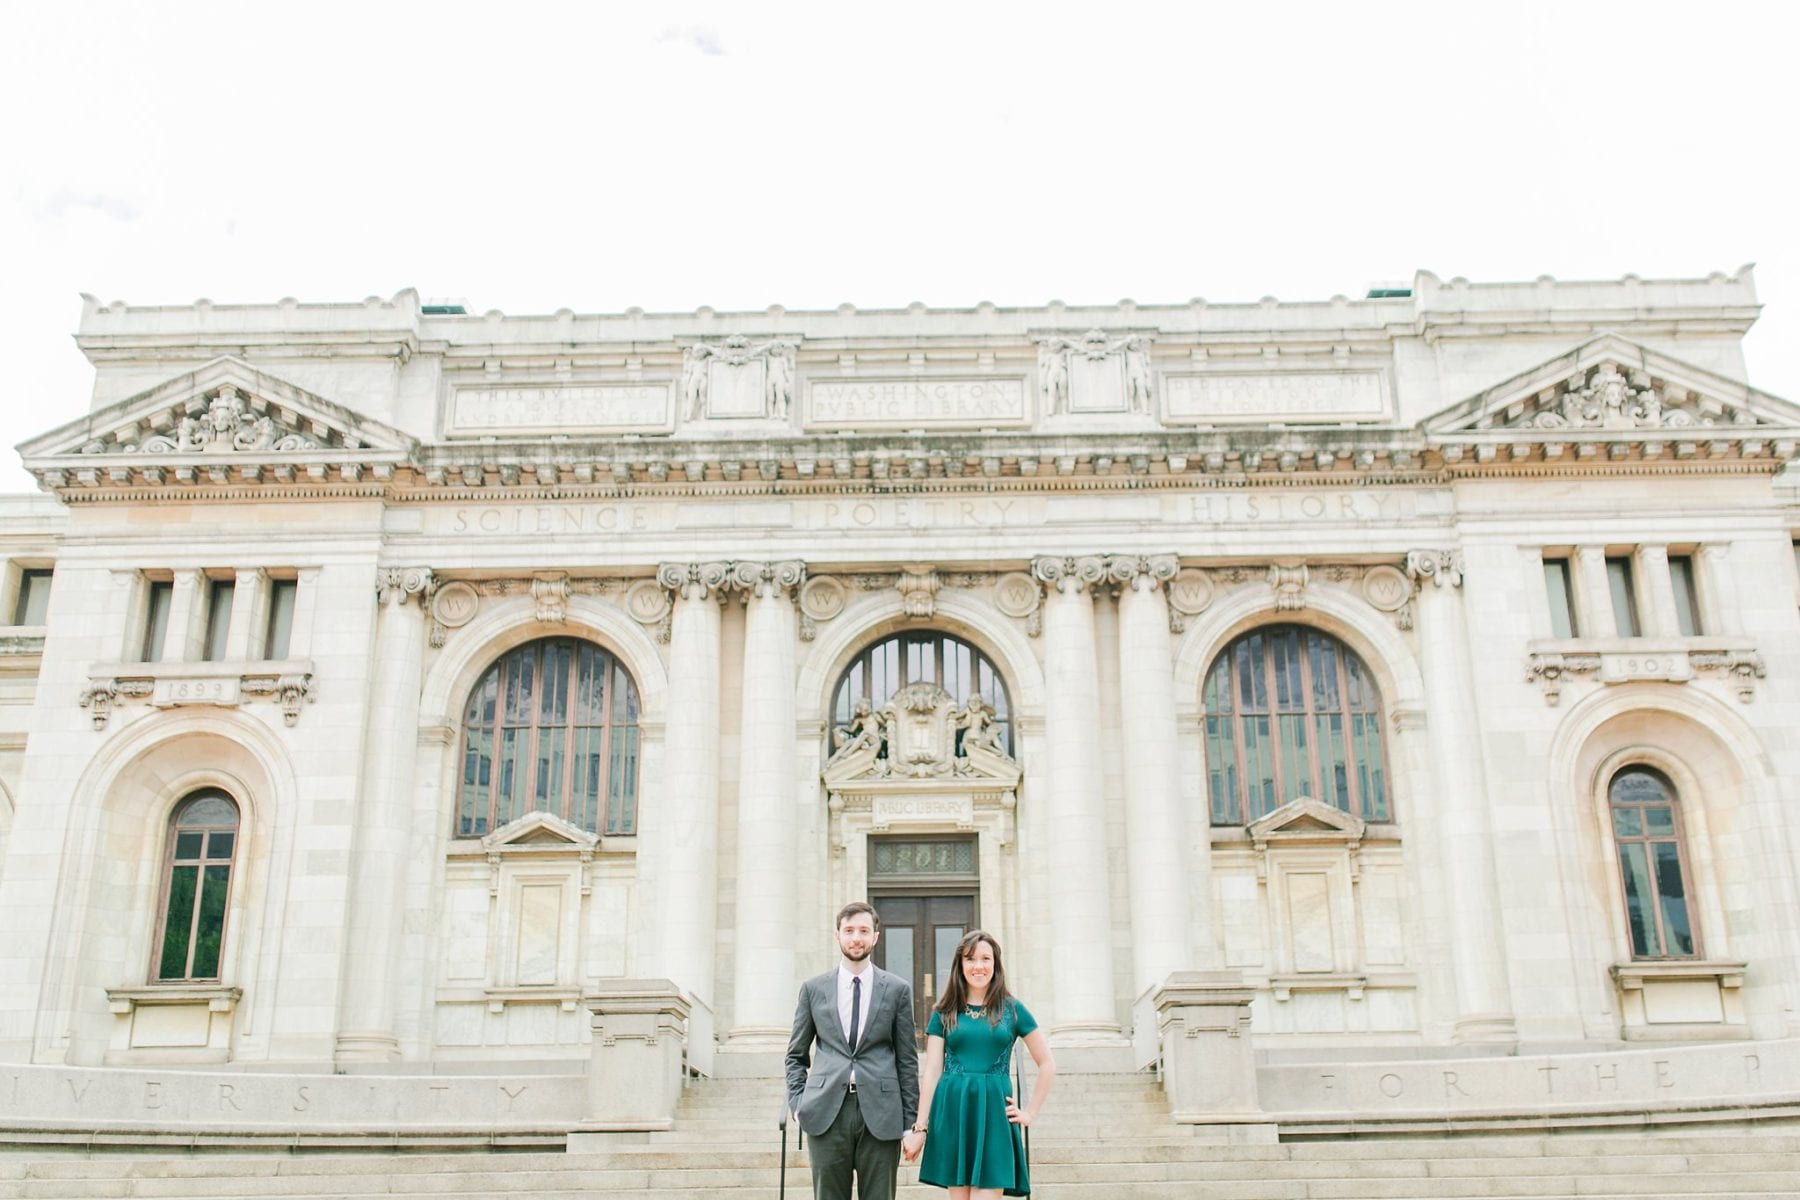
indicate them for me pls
(539, 831)
(222, 417)
(920, 737)
(1307, 820)
(1614, 389)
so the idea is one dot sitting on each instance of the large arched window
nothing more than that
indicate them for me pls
(924, 657)
(551, 727)
(1291, 711)
(1646, 826)
(196, 883)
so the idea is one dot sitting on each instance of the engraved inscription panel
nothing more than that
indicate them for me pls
(171, 691)
(926, 810)
(561, 409)
(862, 403)
(1275, 396)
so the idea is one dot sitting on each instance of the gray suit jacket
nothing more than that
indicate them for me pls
(886, 1057)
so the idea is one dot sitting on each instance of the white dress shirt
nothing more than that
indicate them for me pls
(844, 992)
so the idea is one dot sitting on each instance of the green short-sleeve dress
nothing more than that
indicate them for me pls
(970, 1142)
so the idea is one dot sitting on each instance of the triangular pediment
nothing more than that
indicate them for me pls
(1307, 819)
(539, 831)
(225, 412)
(1613, 388)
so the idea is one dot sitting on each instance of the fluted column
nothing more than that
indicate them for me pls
(1154, 838)
(688, 895)
(383, 815)
(764, 979)
(1081, 959)
(1465, 830)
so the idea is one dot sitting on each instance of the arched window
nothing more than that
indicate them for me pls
(196, 882)
(1646, 824)
(925, 657)
(1291, 711)
(551, 727)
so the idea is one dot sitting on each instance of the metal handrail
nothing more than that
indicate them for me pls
(1019, 1092)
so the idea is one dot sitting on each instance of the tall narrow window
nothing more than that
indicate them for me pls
(1687, 597)
(219, 593)
(276, 638)
(1560, 590)
(202, 840)
(1624, 596)
(159, 598)
(1646, 820)
(551, 727)
(1292, 712)
(34, 597)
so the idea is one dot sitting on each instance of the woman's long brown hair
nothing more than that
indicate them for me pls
(956, 989)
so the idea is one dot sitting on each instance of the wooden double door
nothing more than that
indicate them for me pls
(919, 934)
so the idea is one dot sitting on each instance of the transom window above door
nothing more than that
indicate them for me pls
(884, 667)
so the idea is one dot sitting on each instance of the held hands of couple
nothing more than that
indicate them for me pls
(911, 1144)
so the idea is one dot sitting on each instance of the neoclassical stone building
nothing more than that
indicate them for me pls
(387, 681)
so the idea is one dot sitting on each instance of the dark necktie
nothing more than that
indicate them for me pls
(855, 1009)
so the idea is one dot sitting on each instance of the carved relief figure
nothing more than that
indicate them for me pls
(780, 378)
(1138, 380)
(1053, 372)
(978, 727)
(862, 733)
(693, 381)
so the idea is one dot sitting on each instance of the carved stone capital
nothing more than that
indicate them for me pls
(1070, 575)
(694, 581)
(1441, 567)
(1551, 670)
(1142, 573)
(765, 579)
(396, 585)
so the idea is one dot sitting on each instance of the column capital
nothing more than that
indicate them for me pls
(767, 578)
(693, 581)
(1143, 573)
(1070, 574)
(395, 585)
(1442, 567)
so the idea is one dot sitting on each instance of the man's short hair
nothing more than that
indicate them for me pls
(857, 908)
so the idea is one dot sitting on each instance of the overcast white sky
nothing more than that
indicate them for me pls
(530, 157)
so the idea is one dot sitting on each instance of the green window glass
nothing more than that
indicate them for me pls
(552, 727)
(1646, 827)
(197, 887)
(1291, 711)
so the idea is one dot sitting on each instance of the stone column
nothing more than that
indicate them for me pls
(1465, 830)
(183, 638)
(1655, 593)
(366, 1031)
(1593, 596)
(688, 890)
(1718, 598)
(249, 614)
(1154, 835)
(1081, 961)
(764, 979)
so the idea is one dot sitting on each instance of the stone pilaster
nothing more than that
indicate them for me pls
(1655, 593)
(1081, 961)
(1593, 597)
(1154, 837)
(366, 1029)
(1465, 829)
(688, 823)
(764, 980)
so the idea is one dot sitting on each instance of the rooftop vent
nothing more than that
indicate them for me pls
(1389, 291)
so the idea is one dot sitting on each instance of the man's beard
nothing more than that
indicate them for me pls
(857, 954)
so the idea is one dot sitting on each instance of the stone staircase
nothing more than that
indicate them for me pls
(1101, 1136)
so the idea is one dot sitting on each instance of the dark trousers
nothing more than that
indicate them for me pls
(848, 1149)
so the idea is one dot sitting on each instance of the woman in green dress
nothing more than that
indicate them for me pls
(969, 1120)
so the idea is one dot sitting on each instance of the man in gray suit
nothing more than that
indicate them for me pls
(854, 1027)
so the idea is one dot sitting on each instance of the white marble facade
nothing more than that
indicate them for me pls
(734, 505)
